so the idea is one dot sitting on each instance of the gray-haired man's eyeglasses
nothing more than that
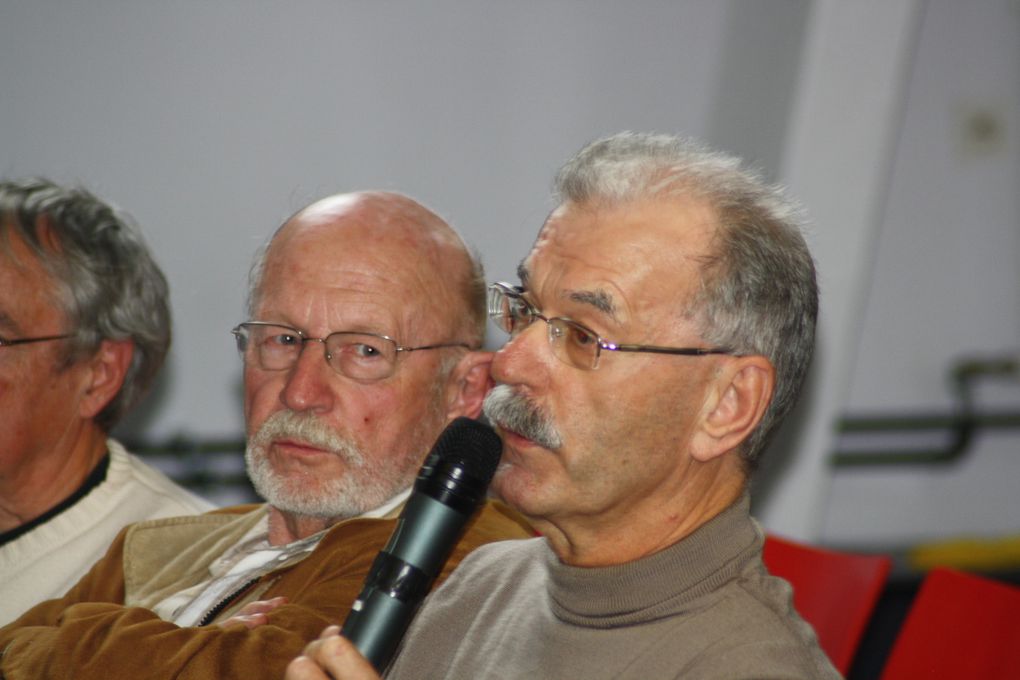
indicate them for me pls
(360, 356)
(572, 343)
(4, 342)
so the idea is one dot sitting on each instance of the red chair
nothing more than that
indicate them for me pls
(959, 626)
(834, 591)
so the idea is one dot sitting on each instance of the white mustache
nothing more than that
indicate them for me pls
(307, 429)
(513, 412)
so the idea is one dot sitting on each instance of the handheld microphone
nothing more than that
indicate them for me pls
(449, 490)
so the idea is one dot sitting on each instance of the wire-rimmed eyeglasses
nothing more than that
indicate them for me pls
(5, 342)
(572, 343)
(360, 356)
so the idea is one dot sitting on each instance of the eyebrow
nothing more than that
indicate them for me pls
(523, 275)
(599, 298)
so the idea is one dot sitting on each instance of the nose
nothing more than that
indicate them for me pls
(310, 381)
(524, 357)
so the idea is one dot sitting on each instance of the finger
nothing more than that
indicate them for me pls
(262, 606)
(248, 621)
(303, 668)
(341, 659)
(329, 631)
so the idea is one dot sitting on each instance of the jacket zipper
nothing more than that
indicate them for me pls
(225, 602)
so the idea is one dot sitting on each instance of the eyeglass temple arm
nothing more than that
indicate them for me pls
(653, 349)
(439, 346)
(26, 341)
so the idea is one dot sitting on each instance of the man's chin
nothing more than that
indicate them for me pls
(302, 496)
(514, 486)
(330, 498)
(301, 504)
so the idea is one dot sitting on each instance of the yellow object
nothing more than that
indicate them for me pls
(974, 554)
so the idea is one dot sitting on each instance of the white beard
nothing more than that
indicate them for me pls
(359, 489)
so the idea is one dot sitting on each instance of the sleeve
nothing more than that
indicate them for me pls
(88, 636)
(104, 582)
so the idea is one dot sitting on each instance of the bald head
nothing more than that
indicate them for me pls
(331, 435)
(394, 237)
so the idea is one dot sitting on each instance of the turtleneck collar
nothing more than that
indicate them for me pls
(623, 594)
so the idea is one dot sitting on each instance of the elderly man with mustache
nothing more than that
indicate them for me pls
(661, 331)
(367, 313)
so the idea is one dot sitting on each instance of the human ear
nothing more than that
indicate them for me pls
(105, 373)
(468, 384)
(742, 393)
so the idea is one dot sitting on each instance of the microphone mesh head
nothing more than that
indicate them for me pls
(473, 445)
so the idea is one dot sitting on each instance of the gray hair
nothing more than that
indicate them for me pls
(758, 291)
(108, 284)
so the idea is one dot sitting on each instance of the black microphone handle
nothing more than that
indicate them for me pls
(426, 534)
(449, 489)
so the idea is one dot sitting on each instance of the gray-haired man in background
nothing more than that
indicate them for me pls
(84, 329)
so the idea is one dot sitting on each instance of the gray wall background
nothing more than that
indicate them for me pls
(211, 122)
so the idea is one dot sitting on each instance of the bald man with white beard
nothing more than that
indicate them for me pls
(366, 322)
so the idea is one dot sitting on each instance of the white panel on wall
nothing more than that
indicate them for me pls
(944, 288)
(842, 126)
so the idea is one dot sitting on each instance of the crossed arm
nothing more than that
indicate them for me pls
(330, 657)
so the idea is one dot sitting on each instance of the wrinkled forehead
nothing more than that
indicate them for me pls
(658, 244)
(30, 291)
(29, 243)
(407, 268)
(19, 255)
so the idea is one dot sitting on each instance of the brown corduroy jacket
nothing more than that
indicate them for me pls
(103, 629)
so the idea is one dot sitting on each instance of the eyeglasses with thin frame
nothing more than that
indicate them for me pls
(5, 342)
(366, 357)
(574, 344)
